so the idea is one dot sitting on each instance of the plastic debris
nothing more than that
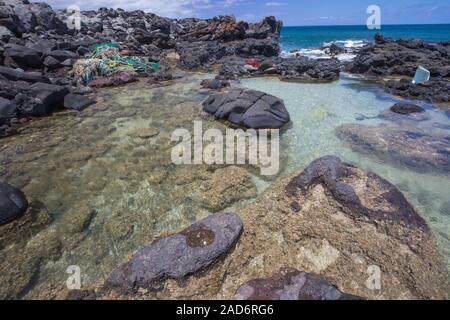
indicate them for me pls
(253, 62)
(422, 75)
(106, 61)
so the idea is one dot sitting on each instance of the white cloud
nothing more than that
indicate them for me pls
(274, 4)
(167, 8)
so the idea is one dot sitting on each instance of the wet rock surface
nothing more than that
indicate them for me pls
(248, 108)
(179, 255)
(323, 237)
(290, 284)
(332, 174)
(408, 146)
(13, 203)
(77, 102)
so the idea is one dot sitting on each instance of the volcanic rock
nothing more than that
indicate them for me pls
(291, 284)
(178, 255)
(248, 108)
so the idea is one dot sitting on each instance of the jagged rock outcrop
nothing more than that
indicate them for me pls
(402, 57)
(387, 57)
(301, 69)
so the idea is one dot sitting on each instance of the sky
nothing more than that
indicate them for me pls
(291, 12)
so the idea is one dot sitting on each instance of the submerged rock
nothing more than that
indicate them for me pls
(13, 203)
(77, 102)
(348, 225)
(214, 84)
(178, 255)
(291, 284)
(406, 108)
(225, 187)
(408, 146)
(248, 108)
(401, 112)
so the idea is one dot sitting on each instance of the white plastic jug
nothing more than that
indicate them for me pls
(422, 75)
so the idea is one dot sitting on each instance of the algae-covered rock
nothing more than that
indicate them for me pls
(225, 187)
(179, 255)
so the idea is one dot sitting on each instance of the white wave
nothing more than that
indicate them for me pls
(351, 48)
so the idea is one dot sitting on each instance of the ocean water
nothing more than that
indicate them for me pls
(315, 37)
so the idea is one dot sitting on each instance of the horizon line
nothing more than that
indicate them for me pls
(363, 25)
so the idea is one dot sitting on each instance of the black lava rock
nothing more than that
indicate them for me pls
(13, 203)
(77, 102)
(248, 108)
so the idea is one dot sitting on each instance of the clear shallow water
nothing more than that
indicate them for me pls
(318, 109)
(315, 37)
(96, 159)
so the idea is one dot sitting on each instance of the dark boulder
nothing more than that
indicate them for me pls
(291, 284)
(17, 75)
(13, 203)
(62, 55)
(248, 108)
(178, 255)
(8, 110)
(77, 102)
(41, 99)
(23, 57)
(51, 63)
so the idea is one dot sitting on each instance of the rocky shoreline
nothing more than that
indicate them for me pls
(37, 55)
(312, 235)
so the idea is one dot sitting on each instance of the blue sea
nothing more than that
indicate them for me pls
(315, 37)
